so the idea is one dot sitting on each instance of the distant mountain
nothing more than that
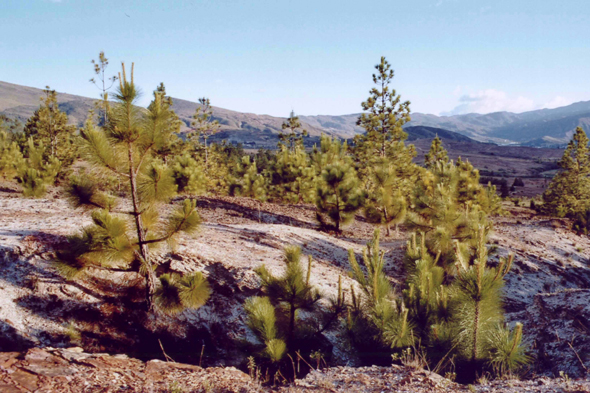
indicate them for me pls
(541, 128)
(21, 102)
(422, 132)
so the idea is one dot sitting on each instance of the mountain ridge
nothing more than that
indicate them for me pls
(538, 128)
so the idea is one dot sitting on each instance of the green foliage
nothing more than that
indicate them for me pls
(128, 146)
(569, 192)
(383, 161)
(291, 291)
(385, 204)
(203, 127)
(507, 352)
(274, 319)
(292, 177)
(248, 182)
(449, 203)
(35, 172)
(338, 194)
(581, 222)
(476, 304)
(11, 126)
(292, 134)
(177, 293)
(437, 153)
(262, 321)
(460, 317)
(164, 126)
(425, 295)
(188, 175)
(377, 323)
(49, 126)
(10, 155)
(383, 123)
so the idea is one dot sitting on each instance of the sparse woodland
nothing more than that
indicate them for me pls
(128, 162)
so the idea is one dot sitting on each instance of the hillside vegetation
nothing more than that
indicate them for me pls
(134, 236)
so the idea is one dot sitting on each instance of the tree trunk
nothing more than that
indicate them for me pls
(475, 331)
(206, 154)
(143, 247)
(291, 322)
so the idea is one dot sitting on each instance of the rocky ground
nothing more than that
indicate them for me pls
(547, 290)
(73, 370)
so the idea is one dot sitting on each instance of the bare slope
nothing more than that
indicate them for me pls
(547, 288)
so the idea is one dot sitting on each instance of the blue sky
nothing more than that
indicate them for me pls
(315, 57)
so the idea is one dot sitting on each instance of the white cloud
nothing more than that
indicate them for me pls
(55, 1)
(491, 100)
(557, 102)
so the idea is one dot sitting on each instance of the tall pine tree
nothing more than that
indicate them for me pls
(126, 147)
(292, 133)
(204, 126)
(104, 84)
(568, 193)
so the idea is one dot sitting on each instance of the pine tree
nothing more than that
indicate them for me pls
(477, 297)
(425, 295)
(104, 84)
(290, 291)
(292, 177)
(507, 352)
(249, 183)
(385, 118)
(13, 127)
(169, 144)
(445, 208)
(274, 318)
(189, 176)
(386, 204)
(330, 150)
(568, 193)
(49, 126)
(126, 147)
(10, 154)
(34, 171)
(339, 194)
(220, 165)
(292, 133)
(204, 126)
(377, 320)
(469, 188)
(382, 149)
(518, 182)
(262, 321)
(437, 153)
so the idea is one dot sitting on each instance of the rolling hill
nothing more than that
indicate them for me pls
(540, 128)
